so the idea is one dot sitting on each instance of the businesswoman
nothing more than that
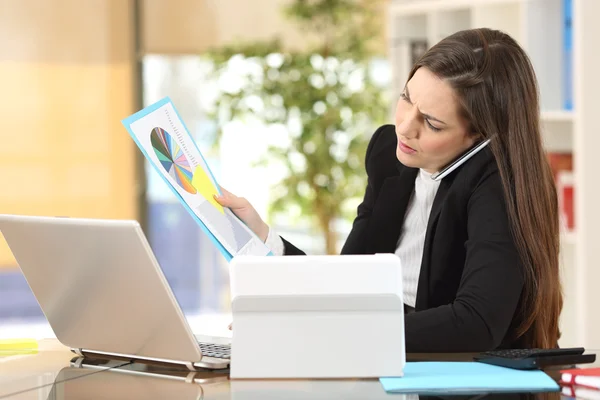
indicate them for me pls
(479, 249)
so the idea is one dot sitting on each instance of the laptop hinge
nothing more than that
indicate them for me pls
(78, 352)
(78, 362)
(132, 358)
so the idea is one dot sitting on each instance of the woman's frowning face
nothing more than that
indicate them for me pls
(430, 128)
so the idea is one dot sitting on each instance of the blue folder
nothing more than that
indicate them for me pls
(142, 113)
(466, 378)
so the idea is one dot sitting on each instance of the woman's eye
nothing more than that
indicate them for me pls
(433, 128)
(404, 97)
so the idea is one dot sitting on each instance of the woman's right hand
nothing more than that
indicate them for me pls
(244, 211)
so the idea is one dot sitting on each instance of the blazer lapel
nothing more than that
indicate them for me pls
(438, 202)
(389, 210)
(436, 208)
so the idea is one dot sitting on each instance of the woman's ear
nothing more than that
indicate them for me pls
(473, 138)
(476, 137)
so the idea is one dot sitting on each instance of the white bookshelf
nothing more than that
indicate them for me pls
(568, 238)
(558, 116)
(538, 26)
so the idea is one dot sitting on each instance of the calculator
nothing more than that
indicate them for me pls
(536, 358)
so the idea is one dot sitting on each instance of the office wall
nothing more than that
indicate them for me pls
(192, 26)
(66, 73)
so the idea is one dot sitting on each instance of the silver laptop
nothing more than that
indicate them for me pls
(103, 292)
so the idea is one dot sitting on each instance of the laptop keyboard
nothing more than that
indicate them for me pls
(215, 350)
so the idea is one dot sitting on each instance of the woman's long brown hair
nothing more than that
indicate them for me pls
(497, 88)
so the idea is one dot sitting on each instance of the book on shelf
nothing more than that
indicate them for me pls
(568, 54)
(565, 188)
(561, 164)
(559, 161)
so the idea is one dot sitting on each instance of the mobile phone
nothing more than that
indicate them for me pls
(438, 176)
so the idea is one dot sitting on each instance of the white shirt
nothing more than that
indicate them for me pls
(412, 237)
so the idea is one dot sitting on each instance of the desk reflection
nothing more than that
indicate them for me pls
(114, 380)
(133, 381)
(360, 389)
(311, 390)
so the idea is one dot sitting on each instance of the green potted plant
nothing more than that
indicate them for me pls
(325, 96)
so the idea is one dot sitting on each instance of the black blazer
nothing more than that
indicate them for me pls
(471, 275)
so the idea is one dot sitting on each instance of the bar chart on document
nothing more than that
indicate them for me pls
(165, 142)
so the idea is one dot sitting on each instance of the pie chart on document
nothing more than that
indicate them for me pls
(176, 164)
(172, 159)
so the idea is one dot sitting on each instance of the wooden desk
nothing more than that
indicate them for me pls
(54, 373)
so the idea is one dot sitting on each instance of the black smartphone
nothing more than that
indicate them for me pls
(536, 358)
(460, 160)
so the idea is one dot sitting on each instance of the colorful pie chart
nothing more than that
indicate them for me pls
(172, 159)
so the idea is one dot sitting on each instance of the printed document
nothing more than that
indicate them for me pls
(165, 141)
